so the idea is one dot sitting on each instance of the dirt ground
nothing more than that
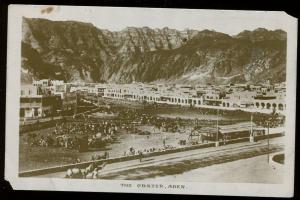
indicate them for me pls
(40, 157)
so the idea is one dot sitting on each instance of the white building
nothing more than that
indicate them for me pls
(34, 104)
(242, 99)
(42, 83)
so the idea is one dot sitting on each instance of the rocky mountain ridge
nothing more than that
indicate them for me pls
(76, 51)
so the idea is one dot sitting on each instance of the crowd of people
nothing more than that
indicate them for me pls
(133, 152)
(93, 132)
(75, 134)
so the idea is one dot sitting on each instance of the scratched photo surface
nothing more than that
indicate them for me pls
(152, 96)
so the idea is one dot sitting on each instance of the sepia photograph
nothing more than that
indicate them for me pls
(151, 100)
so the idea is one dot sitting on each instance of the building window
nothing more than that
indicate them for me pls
(22, 112)
(36, 112)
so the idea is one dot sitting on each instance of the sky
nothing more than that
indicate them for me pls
(116, 19)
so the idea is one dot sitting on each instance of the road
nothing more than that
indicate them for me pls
(177, 163)
(249, 170)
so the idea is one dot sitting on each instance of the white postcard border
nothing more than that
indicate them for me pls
(16, 12)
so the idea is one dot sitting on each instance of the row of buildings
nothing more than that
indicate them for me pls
(46, 97)
(259, 97)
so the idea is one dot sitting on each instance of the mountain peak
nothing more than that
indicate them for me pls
(80, 51)
(262, 34)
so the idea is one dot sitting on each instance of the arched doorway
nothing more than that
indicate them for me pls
(257, 105)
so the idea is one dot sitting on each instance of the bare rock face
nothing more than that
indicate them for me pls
(75, 51)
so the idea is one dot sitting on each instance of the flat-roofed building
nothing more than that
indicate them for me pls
(242, 99)
(33, 104)
(30, 90)
(100, 88)
(42, 82)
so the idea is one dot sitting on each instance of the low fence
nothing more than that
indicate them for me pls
(134, 157)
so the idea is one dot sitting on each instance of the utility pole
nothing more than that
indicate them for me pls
(251, 124)
(251, 129)
(268, 141)
(75, 110)
(217, 136)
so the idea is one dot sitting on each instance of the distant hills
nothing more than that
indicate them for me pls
(76, 51)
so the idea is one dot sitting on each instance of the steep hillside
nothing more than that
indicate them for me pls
(76, 51)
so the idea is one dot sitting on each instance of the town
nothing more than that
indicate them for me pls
(74, 123)
(48, 97)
